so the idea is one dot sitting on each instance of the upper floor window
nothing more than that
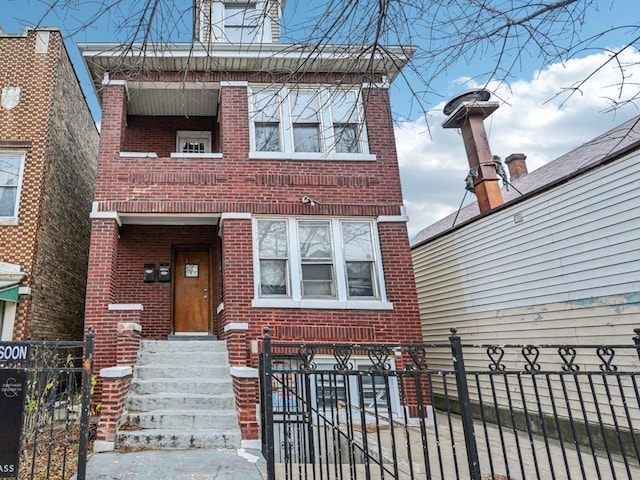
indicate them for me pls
(234, 21)
(193, 142)
(318, 260)
(241, 22)
(305, 122)
(11, 168)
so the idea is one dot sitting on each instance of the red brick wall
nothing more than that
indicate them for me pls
(141, 244)
(236, 183)
(398, 325)
(158, 134)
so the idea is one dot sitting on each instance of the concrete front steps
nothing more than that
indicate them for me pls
(181, 396)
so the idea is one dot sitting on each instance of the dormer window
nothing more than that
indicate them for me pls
(239, 21)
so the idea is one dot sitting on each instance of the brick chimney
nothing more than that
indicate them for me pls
(517, 165)
(467, 112)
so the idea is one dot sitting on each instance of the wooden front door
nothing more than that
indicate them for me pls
(192, 291)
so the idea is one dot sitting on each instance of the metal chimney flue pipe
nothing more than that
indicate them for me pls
(467, 112)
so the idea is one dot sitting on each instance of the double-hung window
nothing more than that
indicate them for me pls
(316, 259)
(241, 22)
(273, 251)
(11, 168)
(305, 120)
(308, 123)
(234, 21)
(267, 121)
(318, 263)
(346, 130)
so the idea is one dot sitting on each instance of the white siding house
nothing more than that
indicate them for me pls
(558, 263)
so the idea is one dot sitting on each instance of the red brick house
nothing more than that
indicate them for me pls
(233, 196)
(48, 153)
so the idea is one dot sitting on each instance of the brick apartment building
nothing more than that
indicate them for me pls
(48, 152)
(233, 196)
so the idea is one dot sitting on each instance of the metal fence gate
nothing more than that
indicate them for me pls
(445, 411)
(55, 427)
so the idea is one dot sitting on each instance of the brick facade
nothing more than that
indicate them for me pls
(50, 242)
(134, 188)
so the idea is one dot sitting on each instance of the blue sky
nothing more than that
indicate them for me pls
(531, 120)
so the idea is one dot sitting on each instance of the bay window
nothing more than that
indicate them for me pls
(318, 263)
(307, 123)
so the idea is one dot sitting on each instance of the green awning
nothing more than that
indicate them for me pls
(9, 294)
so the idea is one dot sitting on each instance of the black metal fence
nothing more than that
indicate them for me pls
(55, 427)
(444, 411)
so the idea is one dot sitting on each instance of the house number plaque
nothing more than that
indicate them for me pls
(191, 270)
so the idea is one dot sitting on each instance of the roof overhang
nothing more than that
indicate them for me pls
(132, 61)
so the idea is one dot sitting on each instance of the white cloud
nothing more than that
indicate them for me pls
(533, 119)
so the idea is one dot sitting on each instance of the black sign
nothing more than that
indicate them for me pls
(13, 384)
(14, 352)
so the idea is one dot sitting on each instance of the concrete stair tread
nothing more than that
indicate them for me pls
(181, 380)
(186, 412)
(182, 395)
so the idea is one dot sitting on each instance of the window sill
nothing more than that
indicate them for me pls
(12, 222)
(322, 304)
(331, 157)
(196, 155)
(139, 154)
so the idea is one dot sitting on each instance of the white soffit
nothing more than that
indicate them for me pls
(170, 99)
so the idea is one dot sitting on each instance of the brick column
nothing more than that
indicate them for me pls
(128, 343)
(246, 387)
(115, 385)
(101, 277)
(237, 271)
(114, 119)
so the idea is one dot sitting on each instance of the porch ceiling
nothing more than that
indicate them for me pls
(168, 219)
(172, 99)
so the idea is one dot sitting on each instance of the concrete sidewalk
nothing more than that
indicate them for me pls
(196, 464)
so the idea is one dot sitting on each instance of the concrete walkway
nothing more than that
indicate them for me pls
(194, 464)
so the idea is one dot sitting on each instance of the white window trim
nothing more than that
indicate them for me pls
(13, 220)
(218, 25)
(199, 134)
(7, 321)
(342, 300)
(326, 128)
(196, 155)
